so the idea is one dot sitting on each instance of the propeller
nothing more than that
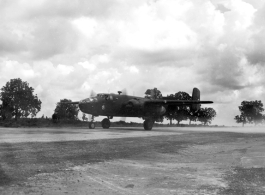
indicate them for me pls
(123, 119)
(89, 117)
(123, 92)
(92, 94)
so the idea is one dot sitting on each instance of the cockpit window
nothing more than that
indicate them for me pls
(85, 100)
(105, 96)
(94, 99)
(101, 95)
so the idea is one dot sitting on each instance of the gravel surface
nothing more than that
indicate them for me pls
(132, 161)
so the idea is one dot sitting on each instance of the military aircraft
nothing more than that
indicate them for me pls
(120, 105)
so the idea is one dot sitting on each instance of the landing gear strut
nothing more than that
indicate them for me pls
(91, 124)
(148, 124)
(105, 123)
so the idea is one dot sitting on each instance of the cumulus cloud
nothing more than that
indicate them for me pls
(222, 8)
(256, 42)
(65, 49)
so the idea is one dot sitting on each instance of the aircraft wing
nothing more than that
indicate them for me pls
(69, 102)
(177, 102)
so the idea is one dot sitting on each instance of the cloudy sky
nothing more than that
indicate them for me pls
(66, 48)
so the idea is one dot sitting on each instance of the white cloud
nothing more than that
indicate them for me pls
(227, 97)
(63, 69)
(66, 49)
(87, 65)
(132, 69)
(86, 86)
(245, 13)
(100, 58)
(151, 29)
(86, 25)
(16, 69)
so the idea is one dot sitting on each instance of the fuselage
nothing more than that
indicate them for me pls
(118, 105)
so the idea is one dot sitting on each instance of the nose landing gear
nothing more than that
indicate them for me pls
(105, 123)
(91, 124)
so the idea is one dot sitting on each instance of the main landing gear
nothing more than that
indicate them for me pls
(106, 122)
(148, 124)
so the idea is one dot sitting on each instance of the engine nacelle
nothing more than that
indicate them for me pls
(160, 110)
(134, 103)
(155, 110)
(134, 106)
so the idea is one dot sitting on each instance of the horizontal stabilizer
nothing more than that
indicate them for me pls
(194, 103)
(177, 102)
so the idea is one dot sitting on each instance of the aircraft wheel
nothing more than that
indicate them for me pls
(148, 124)
(105, 123)
(92, 125)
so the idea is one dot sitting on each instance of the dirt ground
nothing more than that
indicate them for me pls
(132, 161)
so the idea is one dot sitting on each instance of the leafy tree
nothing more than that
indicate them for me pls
(1, 111)
(6, 111)
(171, 109)
(153, 93)
(241, 119)
(193, 116)
(181, 95)
(190, 114)
(251, 112)
(55, 118)
(182, 112)
(178, 113)
(206, 115)
(66, 111)
(18, 100)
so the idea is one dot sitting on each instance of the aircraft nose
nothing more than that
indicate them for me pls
(85, 105)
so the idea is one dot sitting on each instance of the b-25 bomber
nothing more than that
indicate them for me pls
(121, 105)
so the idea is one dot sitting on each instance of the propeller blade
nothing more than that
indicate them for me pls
(93, 93)
(124, 91)
(123, 119)
(89, 117)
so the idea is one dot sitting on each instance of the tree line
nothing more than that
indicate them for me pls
(19, 101)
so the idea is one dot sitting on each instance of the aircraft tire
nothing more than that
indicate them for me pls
(148, 124)
(91, 125)
(105, 123)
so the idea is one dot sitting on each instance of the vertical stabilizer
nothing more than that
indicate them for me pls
(196, 96)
